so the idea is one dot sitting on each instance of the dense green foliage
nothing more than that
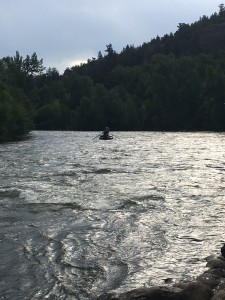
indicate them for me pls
(16, 87)
(176, 82)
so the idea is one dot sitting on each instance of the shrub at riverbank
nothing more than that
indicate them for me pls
(15, 117)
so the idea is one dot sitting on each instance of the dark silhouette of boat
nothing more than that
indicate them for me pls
(104, 137)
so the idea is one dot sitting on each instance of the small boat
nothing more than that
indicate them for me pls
(103, 137)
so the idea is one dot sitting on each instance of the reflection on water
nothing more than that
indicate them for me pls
(80, 216)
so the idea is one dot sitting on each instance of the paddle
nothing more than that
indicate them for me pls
(96, 136)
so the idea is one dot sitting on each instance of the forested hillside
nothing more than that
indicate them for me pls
(174, 82)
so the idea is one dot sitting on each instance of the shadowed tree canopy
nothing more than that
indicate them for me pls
(17, 86)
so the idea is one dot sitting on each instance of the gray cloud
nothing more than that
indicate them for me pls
(66, 32)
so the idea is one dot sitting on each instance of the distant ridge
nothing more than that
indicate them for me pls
(207, 35)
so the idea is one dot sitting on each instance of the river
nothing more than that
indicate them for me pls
(80, 217)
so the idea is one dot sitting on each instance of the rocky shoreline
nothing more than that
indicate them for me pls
(208, 286)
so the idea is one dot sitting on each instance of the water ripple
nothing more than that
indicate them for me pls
(80, 217)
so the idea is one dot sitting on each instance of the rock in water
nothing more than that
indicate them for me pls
(223, 250)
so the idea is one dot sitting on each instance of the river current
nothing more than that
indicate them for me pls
(80, 217)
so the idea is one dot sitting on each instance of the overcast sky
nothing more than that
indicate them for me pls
(66, 32)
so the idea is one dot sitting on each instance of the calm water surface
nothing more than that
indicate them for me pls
(80, 216)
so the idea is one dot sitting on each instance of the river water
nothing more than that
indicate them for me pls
(80, 217)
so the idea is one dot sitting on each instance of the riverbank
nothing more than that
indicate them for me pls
(208, 286)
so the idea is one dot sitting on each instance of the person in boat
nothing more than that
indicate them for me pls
(105, 133)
